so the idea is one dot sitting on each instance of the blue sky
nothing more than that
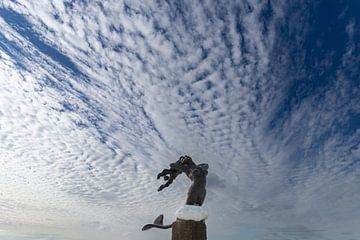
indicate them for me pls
(97, 97)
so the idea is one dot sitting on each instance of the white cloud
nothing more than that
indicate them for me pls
(133, 86)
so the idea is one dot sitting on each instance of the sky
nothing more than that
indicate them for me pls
(97, 97)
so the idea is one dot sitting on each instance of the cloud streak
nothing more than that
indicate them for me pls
(98, 97)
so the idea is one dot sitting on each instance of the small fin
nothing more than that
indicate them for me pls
(147, 227)
(159, 220)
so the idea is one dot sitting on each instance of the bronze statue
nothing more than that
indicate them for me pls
(197, 192)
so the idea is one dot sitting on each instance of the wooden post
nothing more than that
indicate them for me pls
(188, 230)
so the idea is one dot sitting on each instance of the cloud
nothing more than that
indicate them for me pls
(97, 98)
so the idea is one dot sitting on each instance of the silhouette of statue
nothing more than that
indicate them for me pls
(197, 192)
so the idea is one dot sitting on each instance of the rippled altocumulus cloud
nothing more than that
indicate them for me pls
(97, 97)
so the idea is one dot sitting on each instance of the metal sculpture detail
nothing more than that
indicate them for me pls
(197, 192)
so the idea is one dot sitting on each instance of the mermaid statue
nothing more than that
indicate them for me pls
(197, 192)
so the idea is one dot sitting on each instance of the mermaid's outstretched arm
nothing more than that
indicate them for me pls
(169, 175)
(181, 168)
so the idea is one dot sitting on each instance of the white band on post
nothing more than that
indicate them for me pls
(192, 212)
